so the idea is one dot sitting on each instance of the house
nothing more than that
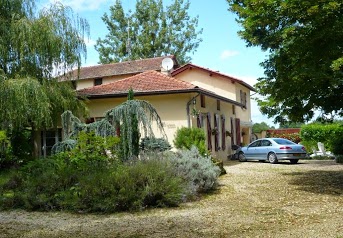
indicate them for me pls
(185, 96)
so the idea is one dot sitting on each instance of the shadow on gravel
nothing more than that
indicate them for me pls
(321, 182)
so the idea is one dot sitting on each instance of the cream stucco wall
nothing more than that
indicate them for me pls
(86, 83)
(173, 112)
(214, 83)
(171, 109)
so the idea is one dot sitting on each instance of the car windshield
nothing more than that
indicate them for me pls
(283, 142)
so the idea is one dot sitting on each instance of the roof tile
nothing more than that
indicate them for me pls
(121, 68)
(149, 81)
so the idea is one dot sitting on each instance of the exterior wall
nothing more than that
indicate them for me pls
(171, 109)
(217, 84)
(226, 88)
(173, 112)
(86, 83)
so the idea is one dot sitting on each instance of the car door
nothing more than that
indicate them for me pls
(263, 149)
(251, 153)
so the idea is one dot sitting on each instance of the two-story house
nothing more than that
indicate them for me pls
(184, 96)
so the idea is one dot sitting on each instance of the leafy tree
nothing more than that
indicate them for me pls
(305, 67)
(258, 127)
(291, 125)
(34, 47)
(150, 31)
(133, 117)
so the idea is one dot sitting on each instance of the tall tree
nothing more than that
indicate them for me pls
(304, 71)
(35, 47)
(150, 31)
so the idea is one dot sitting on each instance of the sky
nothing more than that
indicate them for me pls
(221, 49)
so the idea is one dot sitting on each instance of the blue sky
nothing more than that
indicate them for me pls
(221, 48)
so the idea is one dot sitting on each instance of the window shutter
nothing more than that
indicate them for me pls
(209, 131)
(223, 130)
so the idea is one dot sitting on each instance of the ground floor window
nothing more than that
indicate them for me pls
(48, 139)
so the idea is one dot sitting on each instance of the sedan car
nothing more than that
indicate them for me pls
(272, 150)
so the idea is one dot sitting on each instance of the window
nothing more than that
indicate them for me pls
(256, 144)
(266, 143)
(48, 139)
(97, 81)
(243, 96)
(218, 105)
(233, 110)
(74, 84)
(202, 100)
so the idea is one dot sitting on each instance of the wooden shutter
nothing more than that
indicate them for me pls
(238, 131)
(216, 136)
(223, 131)
(209, 132)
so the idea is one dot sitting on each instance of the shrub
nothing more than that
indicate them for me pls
(5, 150)
(200, 173)
(339, 158)
(329, 134)
(185, 138)
(58, 183)
(154, 144)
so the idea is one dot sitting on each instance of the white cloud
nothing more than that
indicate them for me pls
(82, 5)
(228, 53)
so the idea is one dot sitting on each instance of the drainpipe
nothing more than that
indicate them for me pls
(187, 108)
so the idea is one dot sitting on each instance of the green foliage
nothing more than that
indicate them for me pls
(153, 144)
(150, 31)
(199, 171)
(185, 138)
(6, 155)
(258, 127)
(130, 126)
(145, 114)
(304, 70)
(34, 48)
(39, 44)
(339, 159)
(57, 183)
(329, 134)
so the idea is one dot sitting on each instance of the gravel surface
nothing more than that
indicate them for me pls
(254, 199)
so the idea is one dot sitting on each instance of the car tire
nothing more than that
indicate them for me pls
(272, 158)
(294, 161)
(241, 157)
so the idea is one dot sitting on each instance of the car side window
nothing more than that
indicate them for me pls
(255, 144)
(266, 143)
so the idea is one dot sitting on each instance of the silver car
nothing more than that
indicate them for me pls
(272, 150)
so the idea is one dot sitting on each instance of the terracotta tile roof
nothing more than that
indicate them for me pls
(147, 82)
(189, 66)
(122, 68)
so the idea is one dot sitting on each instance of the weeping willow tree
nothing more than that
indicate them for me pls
(133, 117)
(34, 48)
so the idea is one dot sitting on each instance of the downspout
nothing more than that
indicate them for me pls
(187, 109)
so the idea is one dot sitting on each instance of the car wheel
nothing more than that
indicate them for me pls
(294, 161)
(241, 157)
(272, 158)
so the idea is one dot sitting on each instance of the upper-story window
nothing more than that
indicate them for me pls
(97, 81)
(202, 100)
(218, 105)
(243, 96)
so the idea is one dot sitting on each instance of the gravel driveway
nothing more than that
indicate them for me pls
(254, 200)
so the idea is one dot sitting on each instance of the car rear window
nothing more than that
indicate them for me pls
(283, 142)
